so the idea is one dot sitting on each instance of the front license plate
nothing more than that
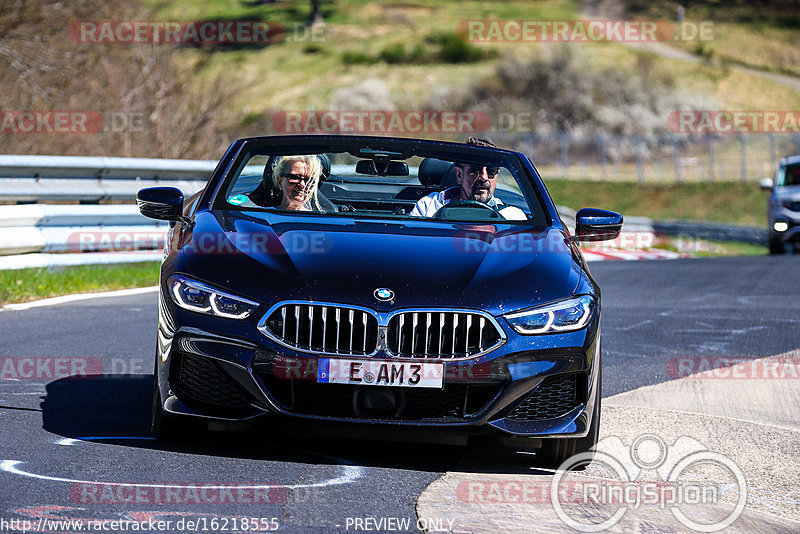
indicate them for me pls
(380, 373)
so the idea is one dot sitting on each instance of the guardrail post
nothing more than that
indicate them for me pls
(676, 159)
(563, 138)
(710, 152)
(639, 159)
(742, 157)
(773, 161)
(601, 147)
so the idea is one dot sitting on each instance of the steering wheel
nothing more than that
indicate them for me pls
(458, 205)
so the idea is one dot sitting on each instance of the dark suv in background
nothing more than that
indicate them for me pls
(784, 206)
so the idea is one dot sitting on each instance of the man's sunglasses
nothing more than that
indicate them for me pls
(474, 172)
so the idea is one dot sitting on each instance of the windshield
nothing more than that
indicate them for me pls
(359, 181)
(789, 175)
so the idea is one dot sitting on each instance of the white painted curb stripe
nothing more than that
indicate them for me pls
(349, 474)
(79, 296)
(36, 260)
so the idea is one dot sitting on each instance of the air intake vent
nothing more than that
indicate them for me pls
(554, 397)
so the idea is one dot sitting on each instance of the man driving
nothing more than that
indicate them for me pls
(475, 182)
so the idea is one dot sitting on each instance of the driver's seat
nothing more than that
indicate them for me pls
(438, 173)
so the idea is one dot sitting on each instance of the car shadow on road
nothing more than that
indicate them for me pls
(115, 409)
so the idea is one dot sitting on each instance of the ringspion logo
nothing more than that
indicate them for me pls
(691, 480)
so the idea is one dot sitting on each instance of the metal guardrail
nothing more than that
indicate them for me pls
(106, 168)
(47, 234)
(34, 235)
(37, 235)
(94, 179)
(70, 178)
(704, 230)
(39, 190)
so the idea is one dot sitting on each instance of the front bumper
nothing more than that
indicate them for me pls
(791, 218)
(537, 386)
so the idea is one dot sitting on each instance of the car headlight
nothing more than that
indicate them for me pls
(562, 316)
(198, 297)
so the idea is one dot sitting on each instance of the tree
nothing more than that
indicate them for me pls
(316, 12)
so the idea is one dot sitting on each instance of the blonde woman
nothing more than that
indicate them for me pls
(297, 177)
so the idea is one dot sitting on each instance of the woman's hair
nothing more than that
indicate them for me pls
(283, 166)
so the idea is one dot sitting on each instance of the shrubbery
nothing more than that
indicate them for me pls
(438, 48)
(561, 92)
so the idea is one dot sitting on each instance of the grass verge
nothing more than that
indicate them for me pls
(730, 248)
(730, 202)
(23, 285)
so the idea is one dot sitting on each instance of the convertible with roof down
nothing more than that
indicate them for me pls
(429, 286)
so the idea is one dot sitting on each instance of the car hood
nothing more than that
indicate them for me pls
(271, 257)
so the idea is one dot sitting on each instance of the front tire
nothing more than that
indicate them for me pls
(776, 245)
(164, 425)
(554, 452)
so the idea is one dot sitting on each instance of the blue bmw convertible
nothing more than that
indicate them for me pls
(384, 282)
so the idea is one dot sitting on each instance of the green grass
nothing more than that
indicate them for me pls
(359, 40)
(23, 285)
(731, 248)
(732, 202)
(755, 35)
(363, 39)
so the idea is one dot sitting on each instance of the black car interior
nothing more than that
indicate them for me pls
(346, 195)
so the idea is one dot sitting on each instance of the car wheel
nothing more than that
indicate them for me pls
(164, 425)
(775, 245)
(554, 452)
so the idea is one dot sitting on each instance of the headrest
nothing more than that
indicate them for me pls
(326, 166)
(432, 172)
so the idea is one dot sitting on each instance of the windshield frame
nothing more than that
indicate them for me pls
(399, 149)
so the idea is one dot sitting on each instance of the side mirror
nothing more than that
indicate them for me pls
(766, 184)
(163, 203)
(593, 224)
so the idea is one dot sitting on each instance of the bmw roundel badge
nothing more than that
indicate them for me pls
(384, 294)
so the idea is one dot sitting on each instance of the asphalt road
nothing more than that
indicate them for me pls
(654, 312)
